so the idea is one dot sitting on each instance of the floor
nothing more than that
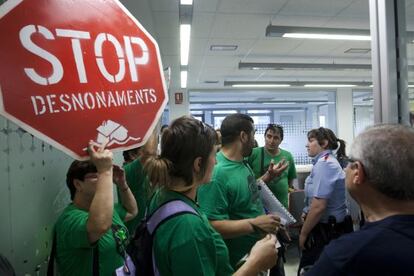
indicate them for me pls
(292, 255)
(292, 259)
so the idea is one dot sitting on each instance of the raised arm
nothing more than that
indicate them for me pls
(150, 147)
(127, 198)
(101, 208)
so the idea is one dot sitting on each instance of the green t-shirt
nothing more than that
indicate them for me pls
(74, 253)
(139, 184)
(280, 185)
(232, 194)
(187, 244)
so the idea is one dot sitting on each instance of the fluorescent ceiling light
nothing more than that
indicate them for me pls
(329, 85)
(184, 79)
(317, 33)
(269, 84)
(302, 66)
(279, 103)
(258, 85)
(225, 104)
(185, 31)
(186, 2)
(328, 36)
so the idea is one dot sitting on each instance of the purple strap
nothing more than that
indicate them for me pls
(165, 211)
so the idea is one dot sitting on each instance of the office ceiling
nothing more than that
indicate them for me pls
(243, 22)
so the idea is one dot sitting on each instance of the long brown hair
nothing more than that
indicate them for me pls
(181, 143)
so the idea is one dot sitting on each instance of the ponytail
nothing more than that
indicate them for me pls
(340, 153)
(157, 169)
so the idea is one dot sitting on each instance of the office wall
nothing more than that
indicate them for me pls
(32, 194)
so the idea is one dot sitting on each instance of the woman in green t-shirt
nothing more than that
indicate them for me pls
(187, 244)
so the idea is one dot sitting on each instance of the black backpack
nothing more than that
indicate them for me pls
(140, 248)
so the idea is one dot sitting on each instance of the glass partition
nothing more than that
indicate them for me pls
(297, 112)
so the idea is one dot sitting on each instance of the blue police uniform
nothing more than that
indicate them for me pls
(326, 181)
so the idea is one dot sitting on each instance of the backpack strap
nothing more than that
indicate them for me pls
(163, 213)
(262, 171)
(167, 210)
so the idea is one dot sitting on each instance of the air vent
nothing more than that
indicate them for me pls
(223, 47)
(211, 81)
(357, 51)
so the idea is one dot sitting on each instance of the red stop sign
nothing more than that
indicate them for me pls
(78, 70)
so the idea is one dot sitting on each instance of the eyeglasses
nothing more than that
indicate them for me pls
(91, 176)
(351, 160)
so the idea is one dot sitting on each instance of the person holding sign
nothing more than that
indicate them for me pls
(231, 200)
(90, 233)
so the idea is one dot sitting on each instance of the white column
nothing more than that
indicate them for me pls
(345, 115)
(387, 95)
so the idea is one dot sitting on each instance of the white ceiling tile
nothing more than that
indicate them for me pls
(239, 26)
(315, 7)
(166, 24)
(202, 24)
(249, 6)
(164, 5)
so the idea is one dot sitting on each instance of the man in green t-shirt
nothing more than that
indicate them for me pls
(90, 227)
(231, 201)
(261, 158)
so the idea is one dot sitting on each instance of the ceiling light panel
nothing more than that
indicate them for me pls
(186, 2)
(259, 85)
(328, 36)
(302, 66)
(184, 79)
(185, 32)
(317, 33)
(309, 84)
(333, 85)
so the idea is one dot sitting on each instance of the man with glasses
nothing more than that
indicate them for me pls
(90, 234)
(380, 177)
(231, 200)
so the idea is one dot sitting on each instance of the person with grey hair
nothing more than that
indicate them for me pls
(380, 177)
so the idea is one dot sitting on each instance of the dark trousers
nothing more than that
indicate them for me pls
(279, 268)
(320, 236)
(314, 246)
